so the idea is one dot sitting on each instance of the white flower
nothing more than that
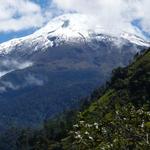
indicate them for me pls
(87, 133)
(147, 139)
(115, 140)
(96, 127)
(148, 113)
(81, 122)
(91, 138)
(95, 124)
(77, 133)
(88, 125)
(76, 126)
(124, 118)
(78, 137)
(117, 112)
(142, 125)
(140, 111)
(104, 130)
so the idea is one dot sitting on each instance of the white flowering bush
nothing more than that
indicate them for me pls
(125, 128)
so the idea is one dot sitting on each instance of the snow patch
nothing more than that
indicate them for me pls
(67, 28)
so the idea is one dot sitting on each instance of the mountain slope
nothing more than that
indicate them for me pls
(119, 119)
(44, 74)
(67, 28)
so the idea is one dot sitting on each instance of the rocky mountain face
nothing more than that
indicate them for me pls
(47, 72)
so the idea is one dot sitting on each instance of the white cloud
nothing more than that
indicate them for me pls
(16, 15)
(2, 89)
(6, 85)
(11, 65)
(28, 80)
(111, 14)
(32, 80)
(114, 15)
(2, 73)
(143, 12)
(10, 85)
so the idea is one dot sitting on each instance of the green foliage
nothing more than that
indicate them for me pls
(120, 119)
(124, 128)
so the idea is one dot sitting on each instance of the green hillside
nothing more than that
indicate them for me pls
(120, 119)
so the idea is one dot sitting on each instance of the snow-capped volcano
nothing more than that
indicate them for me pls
(67, 28)
(46, 73)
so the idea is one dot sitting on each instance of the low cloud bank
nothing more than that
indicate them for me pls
(7, 66)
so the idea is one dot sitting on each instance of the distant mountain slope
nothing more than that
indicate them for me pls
(117, 117)
(46, 73)
(67, 28)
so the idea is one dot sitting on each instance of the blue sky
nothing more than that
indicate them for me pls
(5, 36)
(137, 23)
(19, 18)
(43, 3)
